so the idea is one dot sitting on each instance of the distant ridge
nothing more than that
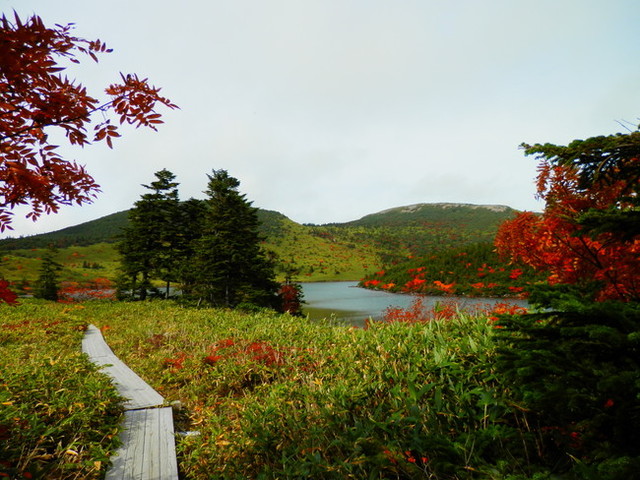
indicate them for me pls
(451, 214)
(104, 229)
(419, 206)
(479, 219)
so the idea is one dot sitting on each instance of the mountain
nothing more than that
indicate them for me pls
(103, 230)
(428, 214)
(337, 251)
(425, 228)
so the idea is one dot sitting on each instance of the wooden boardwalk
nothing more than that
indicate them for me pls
(148, 444)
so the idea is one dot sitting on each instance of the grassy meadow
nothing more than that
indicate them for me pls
(80, 264)
(271, 396)
(311, 259)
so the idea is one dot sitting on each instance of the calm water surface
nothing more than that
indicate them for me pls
(346, 302)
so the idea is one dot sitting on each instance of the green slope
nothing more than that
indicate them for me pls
(461, 215)
(347, 251)
(104, 229)
(412, 231)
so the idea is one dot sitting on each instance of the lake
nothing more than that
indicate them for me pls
(353, 305)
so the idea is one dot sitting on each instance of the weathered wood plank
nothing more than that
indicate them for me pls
(137, 392)
(148, 450)
(93, 343)
(148, 443)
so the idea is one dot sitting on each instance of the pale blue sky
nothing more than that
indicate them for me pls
(328, 110)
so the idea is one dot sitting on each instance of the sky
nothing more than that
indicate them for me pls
(329, 110)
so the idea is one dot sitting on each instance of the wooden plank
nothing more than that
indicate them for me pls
(137, 392)
(148, 445)
(93, 343)
(148, 450)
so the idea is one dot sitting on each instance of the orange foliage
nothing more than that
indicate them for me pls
(98, 289)
(553, 241)
(418, 312)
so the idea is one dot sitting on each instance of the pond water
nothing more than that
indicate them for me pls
(346, 302)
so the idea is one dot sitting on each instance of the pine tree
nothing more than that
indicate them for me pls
(189, 228)
(46, 286)
(148, 247)
(232, 268)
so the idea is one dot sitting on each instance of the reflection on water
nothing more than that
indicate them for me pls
(346, 302)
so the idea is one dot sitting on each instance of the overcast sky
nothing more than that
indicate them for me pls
(328, 110)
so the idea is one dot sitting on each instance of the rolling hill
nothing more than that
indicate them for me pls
(337, 251)
(102, 230)
(451, 214)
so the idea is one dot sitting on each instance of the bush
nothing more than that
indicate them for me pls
(577, 371)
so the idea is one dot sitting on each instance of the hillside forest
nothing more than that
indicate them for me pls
(426, 248)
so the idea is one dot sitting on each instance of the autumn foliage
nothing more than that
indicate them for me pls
(420, 312)
(36, 95)
(560, 242)
(472, 270)
(38, 98)
(573, 365)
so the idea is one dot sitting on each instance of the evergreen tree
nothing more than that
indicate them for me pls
(231, 267)
(46, 286)
(190, 219)
(574, 366)
(149, 244)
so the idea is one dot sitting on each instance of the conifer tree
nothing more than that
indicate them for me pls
(232, 268)
(149, 244)
(46, 286)
(189, 227)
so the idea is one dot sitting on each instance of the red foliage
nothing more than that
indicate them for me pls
(553, 241)
(447, 288)
(515, 274)
(264, 353)
(415, 313)
(177, 362)
(418, 312)
(211, 359)
(290, 295)
(35, 95)
(98, 289)
(260, 352)
(414, 285)
(6, 295)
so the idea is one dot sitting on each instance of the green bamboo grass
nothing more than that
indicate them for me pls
(273, 396)
(58, 416)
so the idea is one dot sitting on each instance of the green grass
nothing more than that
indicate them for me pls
(272, 396)
(78, 264)
(58, 415)
(316, 260)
